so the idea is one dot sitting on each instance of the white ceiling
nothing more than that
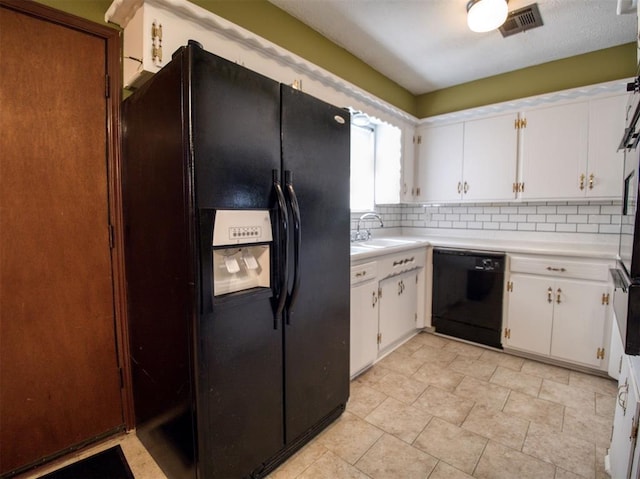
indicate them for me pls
(425, 45)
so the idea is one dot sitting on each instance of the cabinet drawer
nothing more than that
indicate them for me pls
(400, 262)
(561, 267)
(363, 272)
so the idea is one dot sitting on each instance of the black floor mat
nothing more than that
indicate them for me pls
(108, 464)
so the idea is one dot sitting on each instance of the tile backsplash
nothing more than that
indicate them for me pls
(550, 217)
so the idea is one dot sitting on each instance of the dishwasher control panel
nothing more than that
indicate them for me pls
(488, 264)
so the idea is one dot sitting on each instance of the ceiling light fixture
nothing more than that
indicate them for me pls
(486, 15)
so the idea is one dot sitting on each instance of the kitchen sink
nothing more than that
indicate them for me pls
(355, 249)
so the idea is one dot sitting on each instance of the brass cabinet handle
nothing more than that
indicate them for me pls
(558, 295)
(361, 273)
(403, 261)
(591, 178)
(582, 182)
(549, 295)
(562, 270)
(623, 391)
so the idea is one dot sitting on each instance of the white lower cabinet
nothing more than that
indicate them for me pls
(623, 453)
(398, 307)
(530, 314)
(616, 350)
(580, 322)
(364, 317)
(562, 311)
(387, 304)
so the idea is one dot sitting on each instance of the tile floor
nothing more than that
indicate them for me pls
(437, 408)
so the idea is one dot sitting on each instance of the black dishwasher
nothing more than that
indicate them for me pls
(467, 295)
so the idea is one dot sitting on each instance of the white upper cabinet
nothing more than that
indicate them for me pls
(489, 165)
(470, 161)
(554, 151)
(603, 176)
(570, 151)
(439, 166)
(557, 152)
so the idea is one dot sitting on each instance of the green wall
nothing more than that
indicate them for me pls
(277, 26)
(268, 21)
(595, 67)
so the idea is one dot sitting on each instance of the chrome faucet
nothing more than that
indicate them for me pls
(366, 234)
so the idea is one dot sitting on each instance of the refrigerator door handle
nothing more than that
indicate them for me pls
(297, 240)
(283, 247)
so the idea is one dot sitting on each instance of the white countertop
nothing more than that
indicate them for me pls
(358, 252)
(590, 249)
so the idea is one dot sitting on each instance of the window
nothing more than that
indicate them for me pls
(362, 168)
(376, 156)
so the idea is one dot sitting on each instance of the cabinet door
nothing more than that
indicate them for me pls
(490, 158)
(605, 162)
(579, 321)
(554, 151)
(364, 326)
(530, 314)
(398, 308)
(625, 417)
(616, 350)
(408, 165)
(440, 163)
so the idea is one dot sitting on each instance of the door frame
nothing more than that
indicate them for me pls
(113, 94)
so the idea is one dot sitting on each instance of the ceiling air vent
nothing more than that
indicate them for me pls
(522, 19)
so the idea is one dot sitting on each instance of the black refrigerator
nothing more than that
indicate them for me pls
(626, 275)
(236, 212)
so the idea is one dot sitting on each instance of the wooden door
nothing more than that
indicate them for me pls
(59, 368)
